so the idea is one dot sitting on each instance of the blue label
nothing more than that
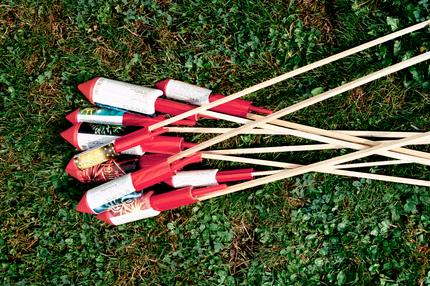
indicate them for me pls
(112, 108)
(123, 200)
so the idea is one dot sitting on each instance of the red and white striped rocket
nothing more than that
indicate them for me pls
(125, 96)
(132, 182)
(83, 136)
(178, 90)
(150, 204)
(197, 178)
(116, 117)
(103, 153)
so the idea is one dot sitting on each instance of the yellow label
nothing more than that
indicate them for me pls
(95, 156)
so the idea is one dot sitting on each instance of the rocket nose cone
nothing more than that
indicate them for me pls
(73, 117)
(83, 206)
(86, 88)
(162, 84)
(73, 171)
(71, 135)
(105, 216)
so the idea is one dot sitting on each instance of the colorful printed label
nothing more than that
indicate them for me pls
(109, 170)
(109, 192)
(94, 135)
(119, 204)
(95, 156)
(88, 141)
(183, 91)
(100, 116)
(133, 210)
(196, 178)
(125, 96)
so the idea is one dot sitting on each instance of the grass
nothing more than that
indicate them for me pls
(309, 230)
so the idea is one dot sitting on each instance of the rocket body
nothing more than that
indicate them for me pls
(85, 136)
(117, 117)
(105, 152)
(124, 96)
(111, 191)
(178, 90)
(125, 164)
(149, 204)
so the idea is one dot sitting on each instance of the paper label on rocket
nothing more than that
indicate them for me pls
(125, 96)
(120, 204)
(109, 192)
(197, 178)
(87, 141)
(95, 156)
(108, 171)
(100, 116)
(137, 209)
(182, 91)
(104, 129)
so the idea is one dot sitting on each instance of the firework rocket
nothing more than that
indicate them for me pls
(117, 117)
(125, 164)
(178, 90)
(85, 136)
(132, 182)
(103, 153)
(106, 171)
(125, 96)
(141, 206)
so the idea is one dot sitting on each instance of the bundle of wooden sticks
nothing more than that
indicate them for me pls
(129, 161)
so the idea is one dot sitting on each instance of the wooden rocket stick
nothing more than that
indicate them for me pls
(377, 177)
(340, 136)
(269, 163)
(310, 133)
(308, 102)
(277, 149)
(289, 148)
(320, 166)
(416, 156)
(372, 164)
(378, 134)
(291, 74)
(334, 170)
(357, 133)
(330, 137)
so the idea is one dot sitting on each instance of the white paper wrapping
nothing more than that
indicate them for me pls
(110, 191)
(182, 91)
(196, 178)
(125, 95)
(100, 119)
(87, 141)
(134, 216)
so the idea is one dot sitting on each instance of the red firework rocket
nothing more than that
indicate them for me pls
(132, 182)
(125, 96)
(125, 164)
(149, 204)
(111, 150)
(117, 117)
(178, 90)
(85, 136)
